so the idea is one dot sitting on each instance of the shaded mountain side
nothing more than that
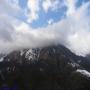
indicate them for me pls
(48, 68)
(88, 56)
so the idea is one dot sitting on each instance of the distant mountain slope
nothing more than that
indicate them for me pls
(48, 68)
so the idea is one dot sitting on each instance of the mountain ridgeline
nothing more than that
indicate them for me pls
(47, 68)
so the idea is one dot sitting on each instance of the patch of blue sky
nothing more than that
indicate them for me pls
(23, 3)
(80, 2)
(42, 21)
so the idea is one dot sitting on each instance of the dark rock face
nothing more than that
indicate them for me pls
(49, 68)
(88, 56)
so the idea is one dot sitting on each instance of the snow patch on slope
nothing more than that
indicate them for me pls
(32, 54)
(74, 64)
(84, 72)
(21, 52)
(1, 59)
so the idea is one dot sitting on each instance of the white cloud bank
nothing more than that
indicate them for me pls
(72, 31)
(32, 10)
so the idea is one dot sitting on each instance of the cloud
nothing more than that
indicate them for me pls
(79, 36)
(50, 21)
(73, 31)
(51, 5)
(71, 5)
(32, 10)
(9, 7)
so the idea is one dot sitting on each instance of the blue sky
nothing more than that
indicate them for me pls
(42, 21)
(44, 17)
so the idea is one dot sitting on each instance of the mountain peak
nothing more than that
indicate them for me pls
(52, 66)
